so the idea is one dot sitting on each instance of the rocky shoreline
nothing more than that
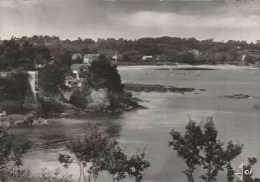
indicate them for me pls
(130, 104)
(240, 96)
(85, 112)
(13, 120)
(20, 119)
(136, 87)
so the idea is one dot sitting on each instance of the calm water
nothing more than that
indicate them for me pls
(236, 120)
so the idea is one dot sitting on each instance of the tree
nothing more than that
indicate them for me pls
(187, 147)
(97, 152)
(14, 55)
(187, 58)
(103, 74)
(16, 87)
(62, 57)
(52, 76)
(200, 146)
(78, 99)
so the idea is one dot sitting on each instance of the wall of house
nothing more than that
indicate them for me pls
(33, 80)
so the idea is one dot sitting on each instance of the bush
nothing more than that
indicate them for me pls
(18, 175)
(11, 151)
(78, 99)
(10, 106)
(50, 105)
(98, 152)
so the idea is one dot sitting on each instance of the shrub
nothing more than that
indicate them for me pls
(11, 151)
(97, 152)
(78, 99)
(18, 175)
(10, 106)
(50, 105)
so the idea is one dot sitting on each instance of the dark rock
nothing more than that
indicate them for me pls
(238, 96)
(136, 87)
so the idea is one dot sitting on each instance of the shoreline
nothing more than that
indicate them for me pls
(187, 66)
(29, 119)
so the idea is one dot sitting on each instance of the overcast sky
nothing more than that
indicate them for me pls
(130, 19)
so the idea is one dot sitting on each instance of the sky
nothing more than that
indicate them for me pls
(131, 19)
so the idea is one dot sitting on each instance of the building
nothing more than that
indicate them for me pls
(255, 54)
(195, 52)
(89, 58)
(76, 56)
(147, 58)
(33, 80)
(75, 78)
(3, 114)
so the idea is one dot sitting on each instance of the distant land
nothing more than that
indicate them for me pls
(149, 51)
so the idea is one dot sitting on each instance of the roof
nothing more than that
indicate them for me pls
(78, 66)
(147, 56)
(90, 55)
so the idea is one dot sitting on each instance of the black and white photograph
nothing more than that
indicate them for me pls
(129, 91)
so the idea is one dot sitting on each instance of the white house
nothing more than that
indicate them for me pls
(75, 79)
(76, 56)
(2, 114)
(196, 52)
(147, 58)
(89, 58)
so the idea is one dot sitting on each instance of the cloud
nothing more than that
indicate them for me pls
(221, 27)
(172, 20)
(132, 19)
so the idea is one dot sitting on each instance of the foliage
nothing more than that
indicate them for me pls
(12, 149)
(230, 173)
(10, 106)
(200, 146)
(52, 77)
(22, 55)
(248, 177)
(105, 74)
(136, 165)
(15, 87)
(187, 58)
(78, 99)
(14, 54)
(18, 175)
(98, 152)
(62, 57)
(49, 106)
